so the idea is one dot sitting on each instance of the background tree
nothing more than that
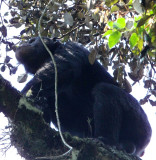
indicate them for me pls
(121, 34)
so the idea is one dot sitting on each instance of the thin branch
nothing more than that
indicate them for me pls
(56, 94)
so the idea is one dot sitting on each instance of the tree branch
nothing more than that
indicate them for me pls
(34, 138)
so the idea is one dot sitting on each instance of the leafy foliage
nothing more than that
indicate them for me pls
(119, 33)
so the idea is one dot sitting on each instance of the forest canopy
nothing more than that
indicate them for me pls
(121, 34)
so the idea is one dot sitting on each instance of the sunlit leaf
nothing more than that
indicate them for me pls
(110, 24)
(137, 18)
(133, 40)
(140, 44)
(114, 39)
(151, 53)
(114, 8)
(107, 33)
(120, 24)
(110, 3)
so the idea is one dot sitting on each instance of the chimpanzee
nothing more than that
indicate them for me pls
(90, 103)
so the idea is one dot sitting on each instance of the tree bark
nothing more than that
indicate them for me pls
(34, 139)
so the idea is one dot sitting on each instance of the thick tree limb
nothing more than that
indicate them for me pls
(34, 138)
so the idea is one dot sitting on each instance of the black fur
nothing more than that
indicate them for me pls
(90, 102)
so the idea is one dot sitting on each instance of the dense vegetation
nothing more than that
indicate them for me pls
(119, 33)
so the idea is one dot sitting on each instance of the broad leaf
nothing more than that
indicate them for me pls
(114, 39)
(133, 40)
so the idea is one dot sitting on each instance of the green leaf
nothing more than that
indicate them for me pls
(120, 24)
(110, 24)
(107, 33)
(137, 18)
(135, 24)
(152, 54)
(140, 44)
(114, 8)
(114, 39)
(110, 3)
(133, 40)
(130, 2)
